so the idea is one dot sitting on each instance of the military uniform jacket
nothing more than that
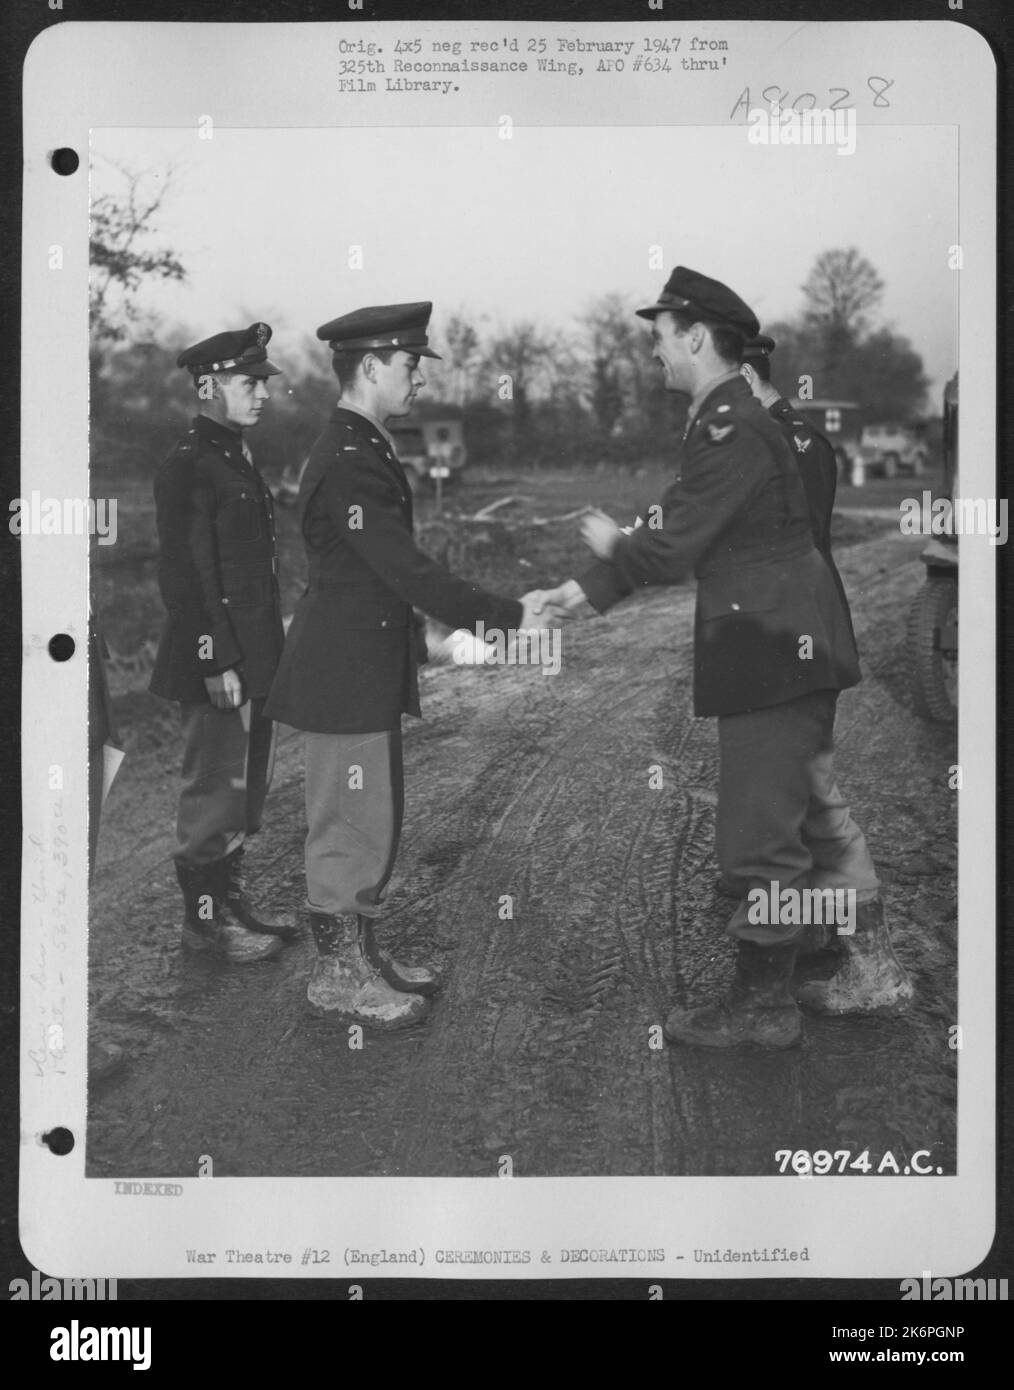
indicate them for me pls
(352, 652)
(818, 470)
(217, 571)
(736, 517)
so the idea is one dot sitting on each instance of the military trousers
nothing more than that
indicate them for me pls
(355, 799)
(781, 817)
(228, 759)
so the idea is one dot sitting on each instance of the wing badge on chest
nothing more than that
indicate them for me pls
(721, 434)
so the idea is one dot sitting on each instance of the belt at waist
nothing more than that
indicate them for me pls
(762, 559)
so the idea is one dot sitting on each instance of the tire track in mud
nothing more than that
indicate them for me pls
(538, 1047)
(581, 1041)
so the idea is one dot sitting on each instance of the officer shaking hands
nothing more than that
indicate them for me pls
(773, 646)
(349, 670)
(218, 576)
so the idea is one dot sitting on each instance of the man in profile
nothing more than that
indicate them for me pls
(773, 646)
(350, 666)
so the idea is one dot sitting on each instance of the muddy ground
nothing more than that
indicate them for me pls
(538, 1047)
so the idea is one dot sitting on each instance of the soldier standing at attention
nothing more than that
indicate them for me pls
(218, 576)
(349, 670)
(772, 648)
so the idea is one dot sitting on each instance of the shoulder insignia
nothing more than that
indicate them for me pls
(720, 434)
(801, 444)
(349, 449)
(721, 409)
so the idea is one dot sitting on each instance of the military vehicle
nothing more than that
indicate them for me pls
(933, 620)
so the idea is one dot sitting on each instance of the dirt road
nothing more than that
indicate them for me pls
(537, 787)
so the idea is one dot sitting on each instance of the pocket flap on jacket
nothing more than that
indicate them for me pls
(747, 591)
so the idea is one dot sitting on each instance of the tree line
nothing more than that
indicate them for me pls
(530, 396)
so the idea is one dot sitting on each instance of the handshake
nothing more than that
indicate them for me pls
(544, 607)
(548, 607)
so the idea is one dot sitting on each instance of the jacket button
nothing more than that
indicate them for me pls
(383, 622)
(735, 607)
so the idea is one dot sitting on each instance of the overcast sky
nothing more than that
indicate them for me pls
(538, 226)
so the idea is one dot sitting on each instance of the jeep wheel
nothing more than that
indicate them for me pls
(933, 648)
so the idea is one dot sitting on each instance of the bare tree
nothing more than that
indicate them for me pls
(840, 291)
(525, 356)
(619, 359)
(122, 255)
(463, 355)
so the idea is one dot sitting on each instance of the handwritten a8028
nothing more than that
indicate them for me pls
(838, 98)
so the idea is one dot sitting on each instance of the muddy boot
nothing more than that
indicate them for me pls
(870, 980)
(347, 984)
(818, 954)
(410, 979)
(758, 1009)
(218, 934)
(232, 887)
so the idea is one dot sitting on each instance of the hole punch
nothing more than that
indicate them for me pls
(59, 1141)
(62, 647)
(64, 161)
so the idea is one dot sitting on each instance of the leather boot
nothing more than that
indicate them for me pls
(347, 984)
(232, 887)
(758, 1009)
(410, 979)
(870, 979)
(217, 934)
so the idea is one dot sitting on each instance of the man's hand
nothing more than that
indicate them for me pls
(600, 533)
(225, 691)
(571, 596)
(540, 610)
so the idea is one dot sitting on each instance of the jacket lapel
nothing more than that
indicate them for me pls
(366, 431)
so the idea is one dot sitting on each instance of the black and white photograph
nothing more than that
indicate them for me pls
(516, 549)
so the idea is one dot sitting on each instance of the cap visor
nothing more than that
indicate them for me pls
(265, 368)
(425, 352)
(650, 310)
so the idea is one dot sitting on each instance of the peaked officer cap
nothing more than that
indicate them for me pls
(245, 351)
(761, 346)
(381, 326)
(692, 293)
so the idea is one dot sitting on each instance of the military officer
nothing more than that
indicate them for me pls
(818, 467)
(218, 576)
(349, 670)
(772, 648)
